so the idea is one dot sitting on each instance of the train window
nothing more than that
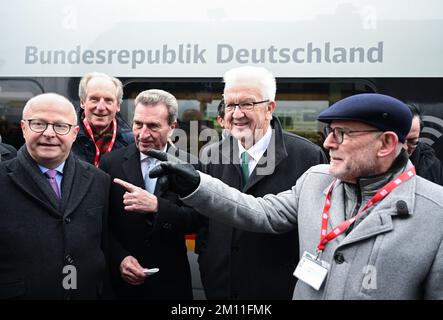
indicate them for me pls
(13, 96)
(298, 101)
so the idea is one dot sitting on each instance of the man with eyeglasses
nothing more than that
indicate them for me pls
(53, 217)
(258, 157)
(369, 227)
(421, 154)
(221, 119)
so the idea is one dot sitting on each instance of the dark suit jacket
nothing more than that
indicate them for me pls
(426, 164)
(155, 240)
(39, 237)
(236, 264)
(7, 152)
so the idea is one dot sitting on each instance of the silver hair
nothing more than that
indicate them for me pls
(89, 76)
(157, 96)
(252, 76)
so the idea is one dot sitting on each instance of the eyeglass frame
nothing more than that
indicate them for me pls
(243, 106)
(412, 142)
(328, 130)
(49, 123)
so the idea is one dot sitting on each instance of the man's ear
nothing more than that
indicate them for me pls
(389, 142)
(82, 104)
(172, 126)
(270, 109)
(75, 129)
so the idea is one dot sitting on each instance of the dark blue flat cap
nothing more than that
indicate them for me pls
(383, 112)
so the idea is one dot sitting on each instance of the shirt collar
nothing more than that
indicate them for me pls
(144, 156)
(259, 148)
(59, 169)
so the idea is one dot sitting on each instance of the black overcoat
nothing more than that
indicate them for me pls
(236, 264)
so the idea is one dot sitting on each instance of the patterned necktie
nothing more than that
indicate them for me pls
(245, 166)
(50, 174)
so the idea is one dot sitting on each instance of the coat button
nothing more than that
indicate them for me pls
(69, 259)
(167, 226)
(67, 220)
(235, 249)
(339, 258)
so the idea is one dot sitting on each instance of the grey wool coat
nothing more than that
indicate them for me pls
(385, 256)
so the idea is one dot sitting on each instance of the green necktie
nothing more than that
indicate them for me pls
(245, 166)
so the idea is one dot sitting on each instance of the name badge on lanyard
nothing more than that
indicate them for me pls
(311, 270)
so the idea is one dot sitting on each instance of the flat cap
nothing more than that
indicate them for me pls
(381, 111)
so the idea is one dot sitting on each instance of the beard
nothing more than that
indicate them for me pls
(362, 165)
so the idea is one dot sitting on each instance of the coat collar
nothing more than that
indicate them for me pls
(77, 177)
(379, 218)
(132, 167)
(274, 154)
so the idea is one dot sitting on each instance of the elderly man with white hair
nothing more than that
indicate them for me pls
(369, 227)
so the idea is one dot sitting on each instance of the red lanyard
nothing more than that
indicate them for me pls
(97, 150)
(383, 192)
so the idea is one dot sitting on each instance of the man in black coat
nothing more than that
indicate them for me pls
(7, 151)
(53, 216)
(421, 154)
(236, 264)
(149, 222)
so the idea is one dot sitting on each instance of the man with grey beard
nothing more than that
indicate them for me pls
(369, 227)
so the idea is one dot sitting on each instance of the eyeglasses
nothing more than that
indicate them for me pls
(243, 106)
(412, 142)
(40, 126)
(338, 133)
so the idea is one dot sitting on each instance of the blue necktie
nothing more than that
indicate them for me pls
(149, 183)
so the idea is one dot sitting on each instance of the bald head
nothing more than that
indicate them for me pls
(52, 100)
(43, 116)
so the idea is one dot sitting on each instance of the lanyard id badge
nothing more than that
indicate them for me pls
(311, 270)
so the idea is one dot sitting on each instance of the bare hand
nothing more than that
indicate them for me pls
(131, 271)
(137, 199)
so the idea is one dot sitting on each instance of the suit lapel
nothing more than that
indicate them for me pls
(337, 210)
(33, 183)
(132, 168)
(374, 224)
(77, 178)
(230, 155)
(380, 221)
(274, 154)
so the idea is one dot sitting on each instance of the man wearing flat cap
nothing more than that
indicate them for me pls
(369, 227)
